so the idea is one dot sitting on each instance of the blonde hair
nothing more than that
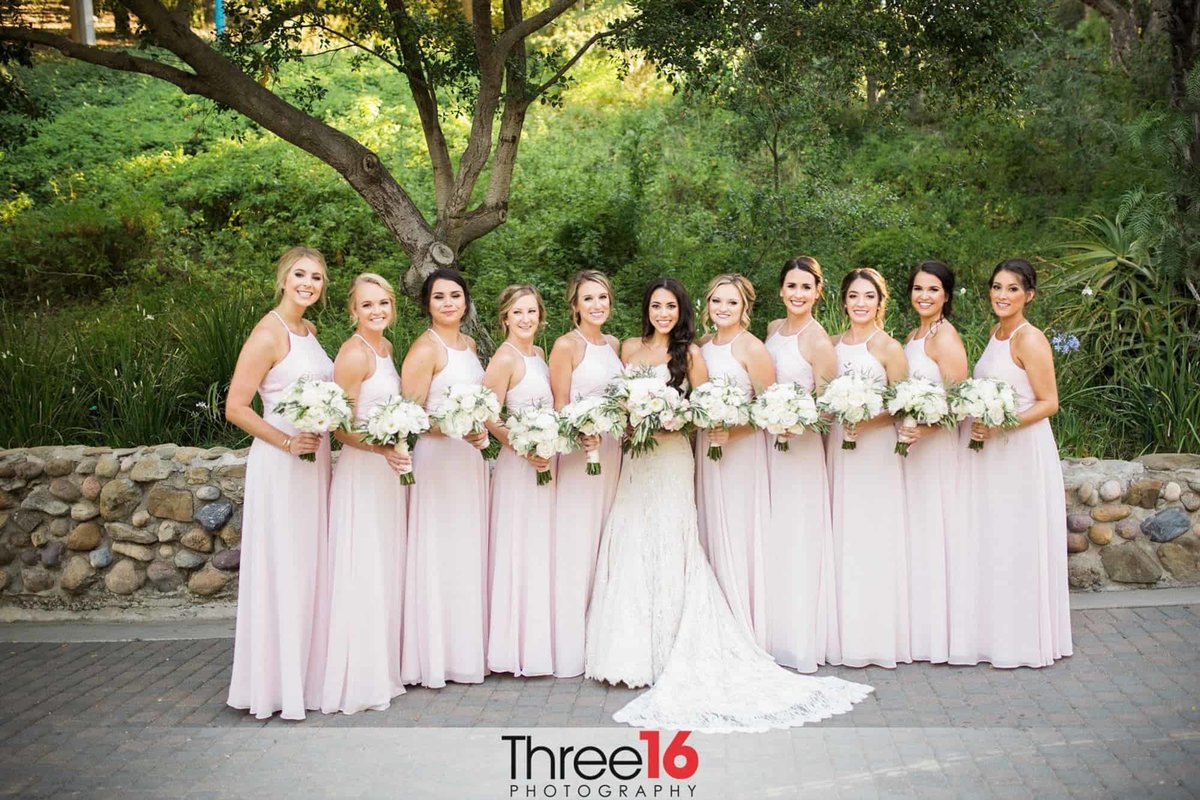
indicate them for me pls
(289, 259)
(374, 280)
(580, 278)
(745, 290)
(510, 296)
(872, 277)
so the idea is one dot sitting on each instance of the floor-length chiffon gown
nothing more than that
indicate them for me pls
(1009, 602)
(279, 641)
(582, 508)
(368, 510)
(870, 534)
(801, 598)
(445, 577)
(935, 512)
(733, 503)
(658, 617)
(520, 635)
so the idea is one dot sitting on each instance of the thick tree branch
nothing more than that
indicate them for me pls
(522, 29)
(112, 59)
(573, 60)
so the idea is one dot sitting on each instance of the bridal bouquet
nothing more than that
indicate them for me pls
(648, 404)
(591, 416)
(719, 404)
(392, 423)
(850, 399)
(919, 402)
(785, 408)
(988, 400)
(537, 430)
(465, 410)
(315, 406)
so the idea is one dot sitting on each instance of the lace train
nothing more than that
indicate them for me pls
(658, 617)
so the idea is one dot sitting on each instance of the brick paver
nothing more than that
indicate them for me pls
(147, 719)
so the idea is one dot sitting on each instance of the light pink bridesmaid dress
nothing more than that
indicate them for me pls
(935, 512)
(282, 614)
(582, 508)
(367, 519)
(801, 600)
(1009, 602)
(733, 505)
(870, 535)
(520, 637)
(445, 576)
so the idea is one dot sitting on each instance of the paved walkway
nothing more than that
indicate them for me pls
(145, 718)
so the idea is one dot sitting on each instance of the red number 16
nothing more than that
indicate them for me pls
(678, 750)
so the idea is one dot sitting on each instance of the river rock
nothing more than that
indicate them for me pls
(6, 500)
(91, 487)
(64, 489)
(52, 553)
(1110, 513)
(108, 467)
(167, 503)
(86, 466)
(26, 520)
(1190, 500)
(186, 454)
(1168, 462)
(1078, 523)
(119, 498)
(1179, 561)
(164, 576)
(32, 468)
(230, 535)
(77, 575)
(168, 531)
(1111, 490)
(8, 470)
(197, 475)
(214, 515)
(36, 580)
(208, 493)
(196, 539)
(85, 536)
(1129, 528)
(1076, 543)
(1128, 563)
(1087, 494)
(30, 557)
(187, 559)
(1166, 525)
(101, 557)
(124, 578)
(140, 518)
(208, 581)
(135, 551)
(227, 559)
(1144, 492)
(40, 536)
(150, 469)
(1083, 576)
(84, 510)
(120, 532)
(1172, 491)
(60, 527)
(40, 499)
(1101, 534)
(57, 467)
(6, 555)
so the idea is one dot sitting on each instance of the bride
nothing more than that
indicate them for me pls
(657, 615)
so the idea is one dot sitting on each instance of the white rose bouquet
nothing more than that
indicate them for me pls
(718, 404)
(918, 402)
(466, 409)
(989, 401)
(315, 406)
(392, 423)
(591, 416)
(537, 430)
(785, 408)
(647, 404)
(851, 399)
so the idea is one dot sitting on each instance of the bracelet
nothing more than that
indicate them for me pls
(287, 445)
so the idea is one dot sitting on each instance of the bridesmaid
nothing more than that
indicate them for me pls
(870, 532)
(445, 576)
(582, 363)
(935, 353)
(520, 640)
(279, 644)
(801, 602)
(732, 494)
(1009, 601)
(367, 520)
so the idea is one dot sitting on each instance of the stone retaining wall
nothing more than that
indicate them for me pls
(92, 527)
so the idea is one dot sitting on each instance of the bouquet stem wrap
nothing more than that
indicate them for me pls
(406, 476)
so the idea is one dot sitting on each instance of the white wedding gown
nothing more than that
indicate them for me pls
(658, 618)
